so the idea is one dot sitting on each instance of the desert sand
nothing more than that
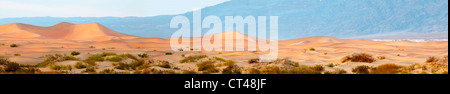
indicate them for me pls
(93, 38)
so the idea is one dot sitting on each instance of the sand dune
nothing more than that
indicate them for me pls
(64, 30)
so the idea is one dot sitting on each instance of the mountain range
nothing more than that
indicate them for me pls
(297, 18)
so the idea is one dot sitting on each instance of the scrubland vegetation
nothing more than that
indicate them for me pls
(144, 64)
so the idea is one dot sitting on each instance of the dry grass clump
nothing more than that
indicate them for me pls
(193, 58)
(254, 71)
(254, 60)
(80, 65)
(306, 70)
(337, 71)
(294, 70)
(231, 68)
(431, 59)
(381, 57)
(164, 64)
(207, 66)
(61, 67)
(107, 71)
(189, 72)
(361, 57)
(115, 59)
(437, 64)
(52, 59)
(386, 69)
(362, 69)
(272, 70)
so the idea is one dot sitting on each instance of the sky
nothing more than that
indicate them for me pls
(99, 8)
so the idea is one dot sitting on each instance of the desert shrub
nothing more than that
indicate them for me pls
(305, 70)
(312, 49)
(337, 71)
(340, 71)
(114, 59)
(362, 69)
(13, 45)
(80, 65)
(231, 70)
(107, 71)
(361, 57)
(122, 66)
(52, 59)
(30, 70)
(318, 68)
(136, 63)
(17, 54)
(229, 63)
(170, 72)
(220, 59)
(96, 58)
(189, 72)
(3, 60)
(207, 66)
(61, 67)
(193, 58)
(164, 64)
(65, 58)
(254, 60)
(271, 70)
(12, 67)
(431, 59)
(381, 57)
(75, 53)
(126, 56)
(169, 53)
(330, 65)
(254, 71)
(91, 46)
(90, 70)
(386, 69)
(143, 55)
(45, 63)
(149, 71)
(104, 54)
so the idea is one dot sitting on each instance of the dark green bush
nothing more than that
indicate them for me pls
(13, 45)
(143, 55)
(115, 59)
(75, 53)
(254, 60)
(164, 64)
(80, 65)
(12, 67)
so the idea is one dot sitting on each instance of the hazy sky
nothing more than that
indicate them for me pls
(98, 8)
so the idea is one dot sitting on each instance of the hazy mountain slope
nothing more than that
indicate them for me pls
(297, 18)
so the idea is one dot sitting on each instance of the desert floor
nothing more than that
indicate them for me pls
(327, 50)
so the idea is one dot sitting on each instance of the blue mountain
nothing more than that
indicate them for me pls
(297, 18)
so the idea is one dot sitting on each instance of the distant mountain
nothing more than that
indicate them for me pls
(297, 18)
(64, 30)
